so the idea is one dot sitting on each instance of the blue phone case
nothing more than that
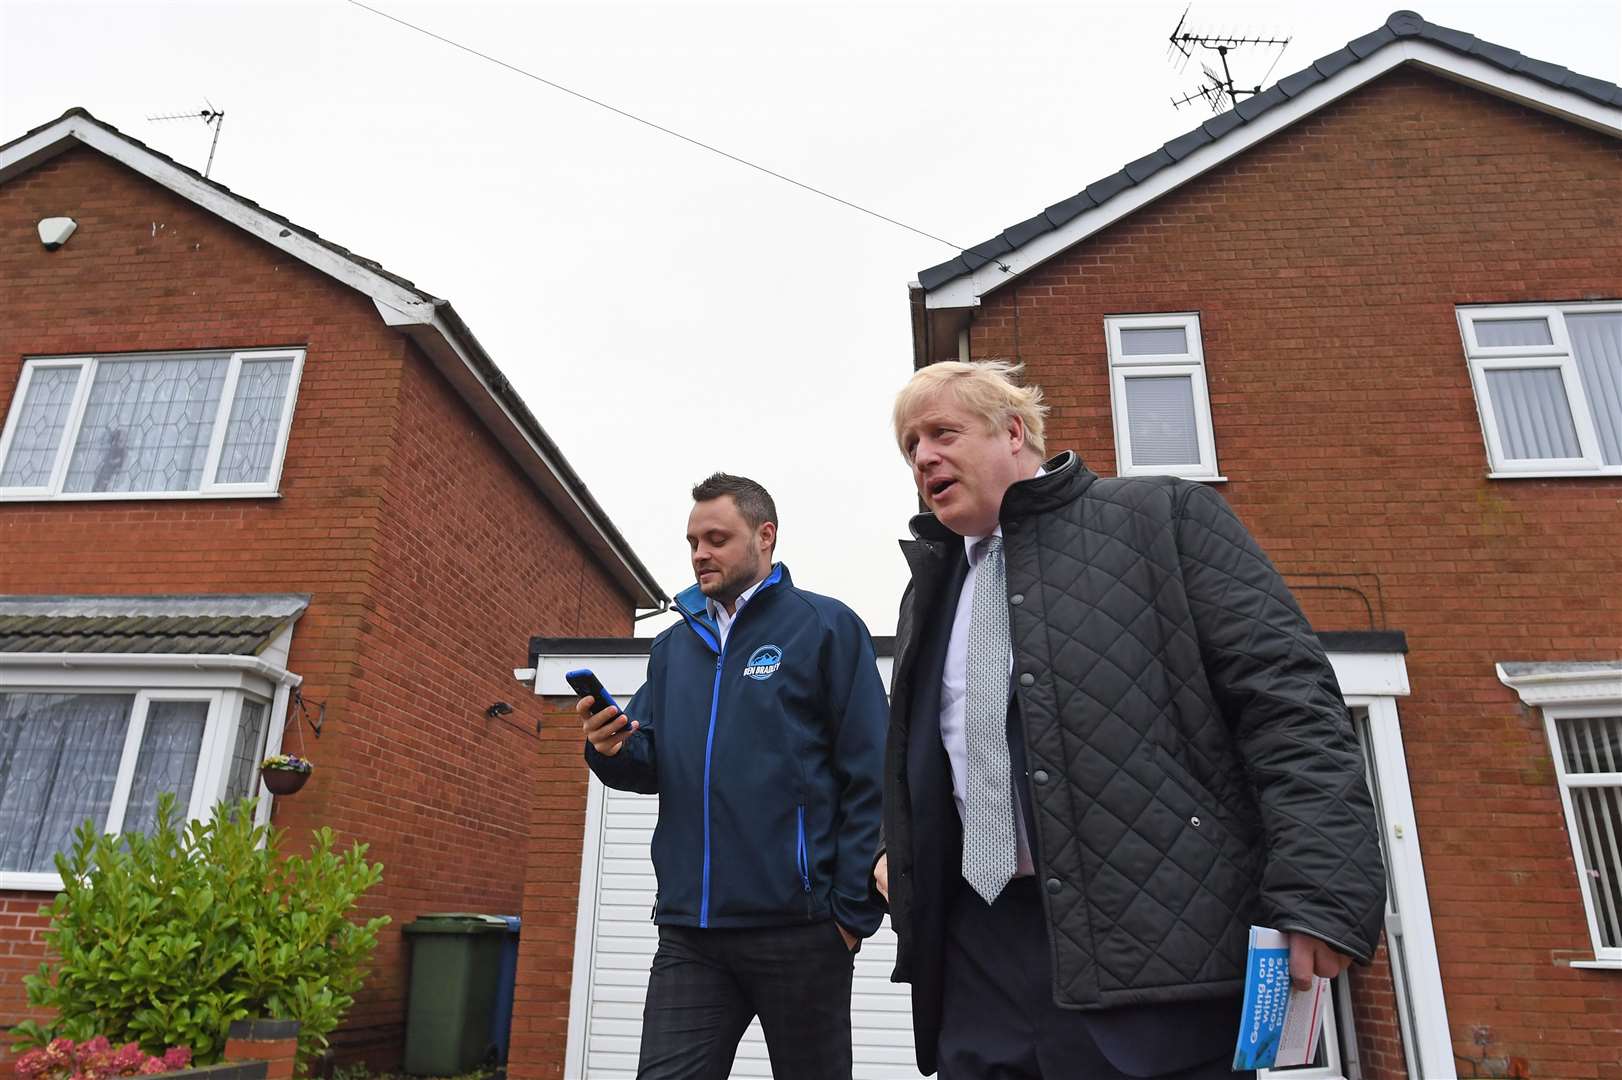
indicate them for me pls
(584, 682)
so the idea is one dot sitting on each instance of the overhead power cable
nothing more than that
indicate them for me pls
(649, 123)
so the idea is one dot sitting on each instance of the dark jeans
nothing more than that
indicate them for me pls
(706, 985)
(999, 1021)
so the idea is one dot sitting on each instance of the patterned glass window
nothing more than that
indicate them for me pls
(42, 416)
(168, 760)
(59, 759)
(256, 421)
(248, 751)
(116, 426)
(147, 426)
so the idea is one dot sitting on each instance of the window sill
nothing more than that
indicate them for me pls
(1597, 965)
(20, 881)
(132, 496)
(1566, 474)
(1178, 476)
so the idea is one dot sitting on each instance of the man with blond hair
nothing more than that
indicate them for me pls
(1115, 744)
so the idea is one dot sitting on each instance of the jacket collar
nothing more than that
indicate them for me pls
(1065, 479)
(694, 607)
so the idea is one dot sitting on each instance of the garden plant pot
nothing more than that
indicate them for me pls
(283, 781)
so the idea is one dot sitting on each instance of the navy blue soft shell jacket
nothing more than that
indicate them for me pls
(767, 758)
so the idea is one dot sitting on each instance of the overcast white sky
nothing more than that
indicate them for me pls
(665, 312)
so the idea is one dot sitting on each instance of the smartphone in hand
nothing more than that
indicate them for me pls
(584, 682)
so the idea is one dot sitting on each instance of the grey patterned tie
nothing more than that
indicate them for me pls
(990, 856)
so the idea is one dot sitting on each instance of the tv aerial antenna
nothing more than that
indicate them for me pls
(1217, 89)
(214, 118)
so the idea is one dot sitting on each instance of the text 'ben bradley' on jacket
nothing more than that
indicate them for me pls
(767, 756)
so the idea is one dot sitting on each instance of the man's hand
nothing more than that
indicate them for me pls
(604, 730)
(881, 876)
(1311, 956)
(850, 938)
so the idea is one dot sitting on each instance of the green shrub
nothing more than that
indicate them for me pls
(163, 940)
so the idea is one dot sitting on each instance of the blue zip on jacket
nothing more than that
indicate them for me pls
(767, 757)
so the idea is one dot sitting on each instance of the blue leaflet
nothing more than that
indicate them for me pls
(1278, 1026)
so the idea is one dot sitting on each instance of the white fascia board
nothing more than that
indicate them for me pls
(1565, 687)
(621, 675)
(34, 666)
(967, 290)
(1360, 674)
(1370, 674)
(447, 349)
(55, 138)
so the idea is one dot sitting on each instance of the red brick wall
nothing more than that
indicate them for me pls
(557, 827)
(472, 565)
(429, 557)
(1325, 265)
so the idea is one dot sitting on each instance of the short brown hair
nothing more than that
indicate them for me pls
(753, 501)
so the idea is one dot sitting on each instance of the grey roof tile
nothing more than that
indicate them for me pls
(1109, 187)
(1405, 23)
(1549, 73)
(1508, 59)
(939, 274)
(191, 625)
(1221, 124)
(1254, 106)
(1457, 40)
(1029, 229)
(1067, 210)
(990, 249)
(1590, 86)
(1295, 85)
(1147, 165)
(1401, 24)
(1371, 42)
(1185, 144)
(1334, 63)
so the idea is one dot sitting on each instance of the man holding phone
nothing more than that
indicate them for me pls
(761, 728)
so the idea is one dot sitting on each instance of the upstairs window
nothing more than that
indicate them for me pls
(149, 426)
(1548, 384)
(1158, 396)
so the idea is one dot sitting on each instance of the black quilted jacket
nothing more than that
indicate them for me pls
(1191, 765)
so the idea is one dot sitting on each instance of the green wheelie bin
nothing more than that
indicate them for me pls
(455, 974)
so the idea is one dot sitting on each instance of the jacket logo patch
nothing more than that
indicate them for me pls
(763, 662)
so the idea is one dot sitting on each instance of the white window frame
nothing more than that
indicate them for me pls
(1191, 364)
(208, 488)
(1573, 694)
(226, 689)
(1608, 956)
(1558, 356)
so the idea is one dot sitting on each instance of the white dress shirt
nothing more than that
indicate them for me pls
(954, 679)
(724, 621)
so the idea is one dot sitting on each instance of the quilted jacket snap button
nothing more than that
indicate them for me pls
(1040, 776)
(1054, 885)
(1194, 821)
(1027, 679)
(1017, 599)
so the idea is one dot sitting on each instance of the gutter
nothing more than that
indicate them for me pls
(251, 665)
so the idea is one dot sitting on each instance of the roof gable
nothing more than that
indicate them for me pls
(428, 320)
(1405, 38)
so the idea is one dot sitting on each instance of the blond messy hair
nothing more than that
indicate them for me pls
(989, 389)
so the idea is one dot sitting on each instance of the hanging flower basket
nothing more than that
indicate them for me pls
(284, 774)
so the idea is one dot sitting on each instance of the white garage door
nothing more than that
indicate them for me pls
(615, 944)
